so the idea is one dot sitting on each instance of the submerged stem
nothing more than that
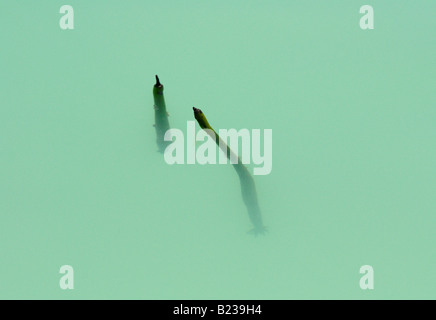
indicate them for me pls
(248, 187)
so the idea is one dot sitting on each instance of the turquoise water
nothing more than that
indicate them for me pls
(353, 175)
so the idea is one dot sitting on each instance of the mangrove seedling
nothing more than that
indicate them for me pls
(160, 116)
(248, 188)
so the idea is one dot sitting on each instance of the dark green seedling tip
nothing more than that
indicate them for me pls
(158, 87)
(201, 119)
(158, 84)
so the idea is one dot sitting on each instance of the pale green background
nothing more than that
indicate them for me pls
(354, 151)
